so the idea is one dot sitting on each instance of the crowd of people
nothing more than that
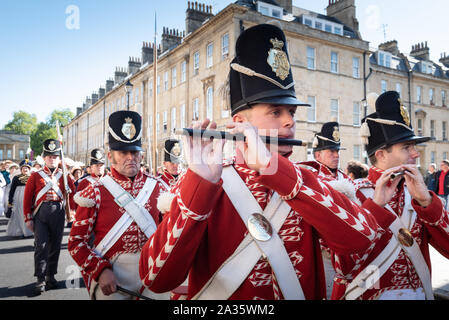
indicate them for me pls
(257, 226)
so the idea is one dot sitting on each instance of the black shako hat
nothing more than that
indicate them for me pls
(51, 147)
(328, 138)
(172, 150)
(125, 131)
(260, 71)
(389, 125)
(97, 156)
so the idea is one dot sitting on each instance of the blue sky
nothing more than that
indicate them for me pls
(48, 63)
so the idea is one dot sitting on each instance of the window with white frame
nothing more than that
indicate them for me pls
(357, 152)
(173, 77)
(356, 114)
(1, 154)
(383, 86)
(322, 24)
(445, 155)
(420, 128)
(399, 88)
(183, 115)
(158, 85)
(334, 109)
(9, 154)
(225, 46)
(432, 128)
(157, 122)
(196, 62)
(334, 62)
(431, 96)
(269, 10)
(418, 94)
(22, 153)
(433, 156)
(210, 103)
(173, 119)
(166, 80)
(426, 67)
(196, 109)
(165, 120)
(150, 87)
(209, 55)
(311, 111)
(443, 98)
(183, 71)
(384, 59)
(311, 58)
(444, 130)
(356, 67)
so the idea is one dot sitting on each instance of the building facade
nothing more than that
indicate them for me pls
(423, 85)
(330, 61)
(13, 146)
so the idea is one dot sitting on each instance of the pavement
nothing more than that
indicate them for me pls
(17, 267)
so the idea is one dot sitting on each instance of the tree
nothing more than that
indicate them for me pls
(22, 123)
(63, 116)
(43, 132)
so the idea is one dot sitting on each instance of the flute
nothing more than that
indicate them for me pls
(397, 174)
(238, 137)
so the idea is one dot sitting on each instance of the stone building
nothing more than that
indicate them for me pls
(13, 146)
(330, 62)
(423, 86)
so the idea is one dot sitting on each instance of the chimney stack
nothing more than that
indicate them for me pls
(101, 92)
(344, 10)
(196, 14)
(109, 85)
(119, 75)
(94, 98)
(79, 110)
(420, 51)
(287, 5)
(390, 46)
(171, 38)
(444, 60)
(133, 65)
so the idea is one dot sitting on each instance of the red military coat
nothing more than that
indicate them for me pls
(97, 213)
(203, 229)
(36, 183)
(431, 227)
(168, 178)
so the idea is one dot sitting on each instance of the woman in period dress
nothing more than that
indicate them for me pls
(16, 224)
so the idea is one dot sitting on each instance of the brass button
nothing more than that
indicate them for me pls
(259, 227)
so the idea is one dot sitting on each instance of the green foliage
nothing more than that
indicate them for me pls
(43, 132)
(22, 122)
(25, 123)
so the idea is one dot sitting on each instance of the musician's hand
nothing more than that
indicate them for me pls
(416, 186)
(30, 225)
(385, 188)
(203, 156)
(254, 150)
(107, 282)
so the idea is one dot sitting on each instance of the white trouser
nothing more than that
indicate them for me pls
(403, 294)
(126, 271)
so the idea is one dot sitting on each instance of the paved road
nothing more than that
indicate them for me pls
(17, 281)
(17, 268)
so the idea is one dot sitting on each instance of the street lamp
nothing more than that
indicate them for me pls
(128, 88)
